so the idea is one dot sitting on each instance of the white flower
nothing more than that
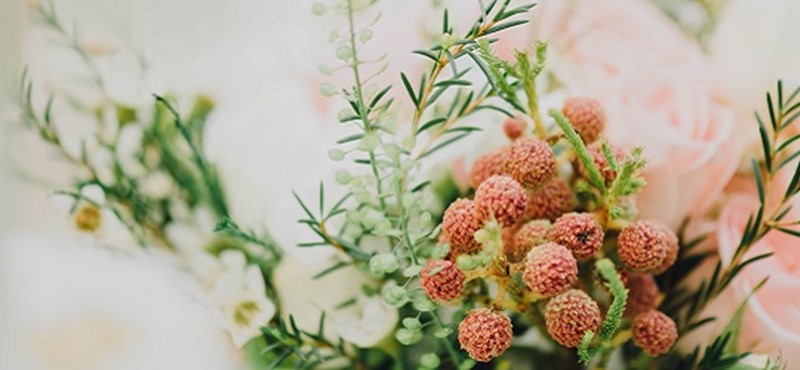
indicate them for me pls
(92, 220)
(191, 235)
(364, 323)
(240, 296)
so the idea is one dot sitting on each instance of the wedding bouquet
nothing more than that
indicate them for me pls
(618, 213)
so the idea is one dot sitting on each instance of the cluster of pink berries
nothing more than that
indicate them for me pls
(518, 187)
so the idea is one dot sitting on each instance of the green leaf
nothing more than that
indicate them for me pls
(431, 123)
(379, 96)
(577, 144)
(428, 54)
(409, 89)
(735, 324)
(330, 269)
(499, 27)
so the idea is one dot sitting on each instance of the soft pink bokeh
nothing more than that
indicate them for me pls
(772, 320)
(654, 83)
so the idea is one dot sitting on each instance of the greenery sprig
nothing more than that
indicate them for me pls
(613, 320)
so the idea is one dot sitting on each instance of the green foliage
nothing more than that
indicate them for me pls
(614, 314)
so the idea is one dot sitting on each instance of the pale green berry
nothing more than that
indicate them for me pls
(336, 154)
(395, 295)
(369, 142)
(412, 323)
(423, 304)
(412, 271)
(327, 89)
(344, 52)
(407, 337)
(344, 115)
(343, 177)
(384, 263)
(365, 35)
(430, 360)
(318, 8)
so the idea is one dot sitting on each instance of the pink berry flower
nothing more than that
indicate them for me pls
(531, 162)
(485, 334)
(514, 127)
(550, 201)
(550, 269)
(587, 117)
(642, 294)
(673, 248)
(502, 198)
(486, 166)
(528, 236)
(579, 232)
(642, 246)
(654, 332)
(460, 222)
(570, 315)
(442, 280)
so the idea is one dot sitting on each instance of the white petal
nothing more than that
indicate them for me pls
(94, 193)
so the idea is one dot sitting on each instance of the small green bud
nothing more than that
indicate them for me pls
(336, 154)
(365, 35)
(440, 251)
(325, 69)
(384, 263)
(412, 323)
(443, 333)
(407, 337)
(327, 89)
(345, 114)
(412, 271)
(423, 304)
(318, 9)
(447, 40)
(430, 360)
(395, 295)
(344, 52)
(467, 364)
(383, 227)
(369, 142)
(343, 177)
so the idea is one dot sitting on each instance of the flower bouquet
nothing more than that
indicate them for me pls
(589, 199)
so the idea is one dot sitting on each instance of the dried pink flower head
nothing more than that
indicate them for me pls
(513, 127)
(642, 246)
(570, 315)
(528, 236)
(642, 294)
(596, 151)
(442, 280)
(531, 162)
(550, 201)
(486, 166)
(485, 334)
(550, 269)
(460, 222)
(579, 232)
(501, 197)
(673, 247)
(654, 332)
(586, 116)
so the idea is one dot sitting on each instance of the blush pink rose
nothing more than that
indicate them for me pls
(654, 84)
(771, 323)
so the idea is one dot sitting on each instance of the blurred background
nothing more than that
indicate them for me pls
(66, 306)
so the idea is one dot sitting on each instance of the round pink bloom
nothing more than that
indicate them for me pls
(657, 88)
(514, 127)
(579, 232)
(442, 280)
(531, 162)
(642, 246)
(527, 237)
(486, 166)
(550, 269)
(460, 222)
(586, 116)
(642, 294)
(570, 315)
(551, 201)
(502, 198)
(485, 334)
(673, 247)
(654, 332)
